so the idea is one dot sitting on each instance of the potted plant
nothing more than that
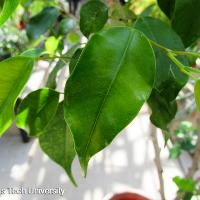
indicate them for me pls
(119, 56)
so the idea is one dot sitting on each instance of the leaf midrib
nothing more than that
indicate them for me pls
(130, 38)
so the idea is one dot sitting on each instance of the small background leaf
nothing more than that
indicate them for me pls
(93, 16)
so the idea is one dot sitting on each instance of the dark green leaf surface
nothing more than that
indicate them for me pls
(107, 88)
(93, 16)
(8, 8)
(197, 94)
(51, 82)
(169, 79)
(36, 111)
(57, 142)
(167, 6)
(74, 59)
(186, 20)
(41, 23)
(163, 111)
(14, 73)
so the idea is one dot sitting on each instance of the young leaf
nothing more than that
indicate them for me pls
(14, 73)
(8, 8)
(51, 44)
(36, 111)
(197, 94)
(107, 88)
(185, 184)
(169, 79)
(40, 23)
(57, 142)
(93, 16)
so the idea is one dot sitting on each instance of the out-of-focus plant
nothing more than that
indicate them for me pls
(185, 138)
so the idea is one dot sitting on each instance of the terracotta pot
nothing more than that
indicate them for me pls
(128, 196)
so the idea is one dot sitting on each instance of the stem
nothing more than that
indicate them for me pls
(160, 46)
(180, 65)
(158, 160)
(52, 58)
(170, 53)
(187, 53)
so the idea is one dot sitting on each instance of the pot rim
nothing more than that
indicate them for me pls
(136, 191)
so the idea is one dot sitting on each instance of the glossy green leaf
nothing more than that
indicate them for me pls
(41, 23)
(51, 82)
(197, 94)
(93, 16)
(107, 88)
(169, 79)
(74, 59)
(57, 142)
(36, 110)
(8, 8)
(14, 73)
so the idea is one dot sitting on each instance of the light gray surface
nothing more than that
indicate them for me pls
(126, 164)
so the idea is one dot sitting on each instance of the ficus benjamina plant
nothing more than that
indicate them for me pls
(129, 59)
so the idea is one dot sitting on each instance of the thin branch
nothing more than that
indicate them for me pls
(195, 159)
(158, 160)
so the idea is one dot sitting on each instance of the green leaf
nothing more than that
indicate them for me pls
(66, 25)
(186, 20)
(107, 88)
(41, 23)
(185, 184)
(74, 59)
(169, 79)
(33, 53)
(36, 110)
(73, 37)
(51, 82)
(51, 44)
(167, 6)
(163, 111)
(197, 94)
(14, 73)
(8, 8)
(175, 151)
(93, 16)
(57, 142)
